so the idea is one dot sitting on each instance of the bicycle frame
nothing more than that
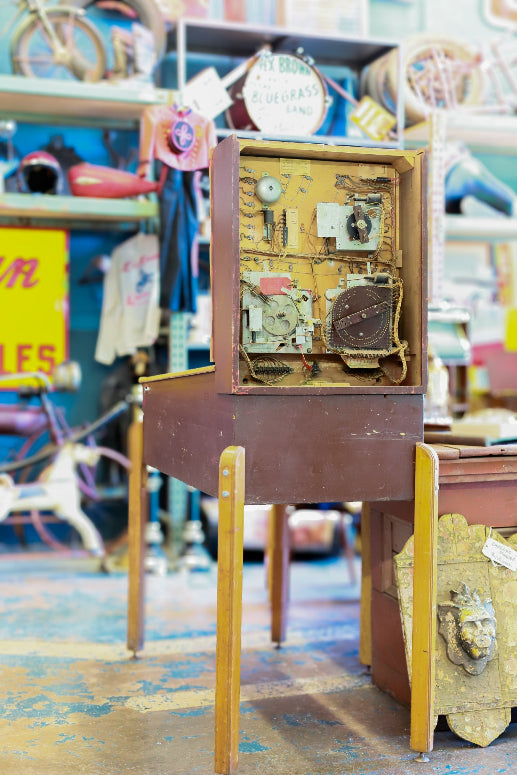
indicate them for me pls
(37, 8)
(54, 40)
(49, 418)
(32, 422)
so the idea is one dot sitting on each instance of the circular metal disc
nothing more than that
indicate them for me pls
(280, 316)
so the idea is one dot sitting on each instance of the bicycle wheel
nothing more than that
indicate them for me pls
(77, 50)
(108, 12)
(438, 73)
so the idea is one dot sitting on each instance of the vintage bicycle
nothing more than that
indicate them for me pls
(60, 41)
(55, 41)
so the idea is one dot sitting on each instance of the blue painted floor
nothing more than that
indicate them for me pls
(73, 701)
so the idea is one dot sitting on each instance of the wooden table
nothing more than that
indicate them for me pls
(275, 449)
(481, 484)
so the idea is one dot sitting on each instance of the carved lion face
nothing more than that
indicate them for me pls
(476, 634)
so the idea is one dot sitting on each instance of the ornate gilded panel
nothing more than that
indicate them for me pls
(476, 642)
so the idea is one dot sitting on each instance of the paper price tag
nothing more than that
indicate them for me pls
(206, 94)
(500, 553)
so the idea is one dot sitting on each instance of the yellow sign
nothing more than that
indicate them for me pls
(372, 118)
(510, 332)
(33, 299)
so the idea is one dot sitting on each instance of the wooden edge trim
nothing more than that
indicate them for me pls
(176, 374)
(424, 599)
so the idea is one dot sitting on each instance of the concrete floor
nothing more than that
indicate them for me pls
(73, 702)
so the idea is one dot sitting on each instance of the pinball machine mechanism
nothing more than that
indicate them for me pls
(321, 272)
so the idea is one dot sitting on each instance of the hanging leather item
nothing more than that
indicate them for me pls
(361, 318)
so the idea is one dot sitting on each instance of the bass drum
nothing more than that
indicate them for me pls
(147, 12)
(279, 95)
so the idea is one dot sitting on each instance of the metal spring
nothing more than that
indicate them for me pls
(273, 370)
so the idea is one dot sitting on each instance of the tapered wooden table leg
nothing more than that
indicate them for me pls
(424, 599)
(279, 555)
(229, 609)
(137, 518)
(365, 632)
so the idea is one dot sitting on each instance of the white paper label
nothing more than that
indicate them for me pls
(206, 94)
(500, 553)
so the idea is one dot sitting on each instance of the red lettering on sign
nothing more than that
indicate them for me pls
(22, 357)
(23, 268)
(27, 358)
(46, 355)
(2, 361)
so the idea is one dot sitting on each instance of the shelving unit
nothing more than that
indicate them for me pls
(483, 133)
(90, 105)
(486, 229)
(213, 39)
(487, 133)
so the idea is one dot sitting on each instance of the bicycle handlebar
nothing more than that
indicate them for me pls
(21, 376)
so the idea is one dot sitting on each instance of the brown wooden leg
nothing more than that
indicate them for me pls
(279, 556)
(229, 609)
(424, 599)
(365, 632)
(348, 545)
(137, 518)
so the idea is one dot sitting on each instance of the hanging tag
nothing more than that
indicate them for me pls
(206, 94)
(372, 118)
(500, 553)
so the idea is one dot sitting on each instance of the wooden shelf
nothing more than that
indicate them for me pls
(74, 211)
(489, 133)
(475, 229)
(102, 104)
(230, 39)
(360, 142)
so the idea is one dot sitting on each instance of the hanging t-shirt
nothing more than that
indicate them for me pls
(130, 315)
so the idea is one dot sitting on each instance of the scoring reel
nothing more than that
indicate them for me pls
(360, 319)
(355, 226)
(276, 314)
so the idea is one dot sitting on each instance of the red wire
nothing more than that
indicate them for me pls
(307, 365)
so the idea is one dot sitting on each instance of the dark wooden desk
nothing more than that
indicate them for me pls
(478, 482)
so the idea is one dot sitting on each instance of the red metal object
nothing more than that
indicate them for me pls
(92, 180)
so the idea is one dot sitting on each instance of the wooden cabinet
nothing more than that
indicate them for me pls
(325, 436)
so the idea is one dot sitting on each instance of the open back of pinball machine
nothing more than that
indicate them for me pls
(319, 288)
(321, 279)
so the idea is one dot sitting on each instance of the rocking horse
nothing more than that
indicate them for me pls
(56, 490)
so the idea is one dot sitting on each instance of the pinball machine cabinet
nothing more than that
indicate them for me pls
(318, 268)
